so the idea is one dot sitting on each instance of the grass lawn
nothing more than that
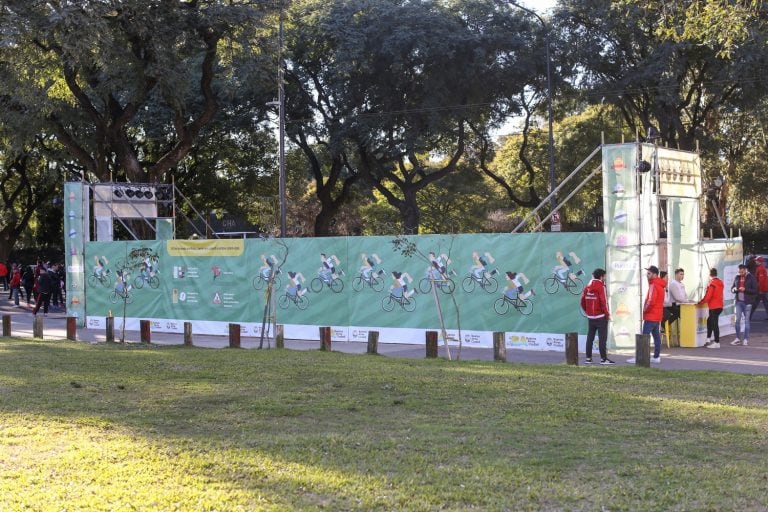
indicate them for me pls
(89, 428)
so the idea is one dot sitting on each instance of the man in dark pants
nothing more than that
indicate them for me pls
(44, 284)
(594, 303)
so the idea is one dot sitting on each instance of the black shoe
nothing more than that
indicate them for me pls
(588, 360)
(606, 362)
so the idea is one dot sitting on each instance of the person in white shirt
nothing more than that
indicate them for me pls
(677, 289)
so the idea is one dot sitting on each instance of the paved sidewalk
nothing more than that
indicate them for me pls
(751, 359)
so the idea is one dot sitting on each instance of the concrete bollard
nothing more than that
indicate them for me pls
(279, 336)
(499, 347)
(325, 338)
(572, 348)
(72, 328)
(373, 342)
(6, 325)
(187, 334)
(146, 331)
(431, 344)
(643, 350)
(110, 329)
(37, 327)
(234, 335)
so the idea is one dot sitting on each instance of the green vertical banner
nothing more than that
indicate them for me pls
(76, 202)
(622, 226)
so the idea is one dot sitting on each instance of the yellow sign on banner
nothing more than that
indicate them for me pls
(212, 248)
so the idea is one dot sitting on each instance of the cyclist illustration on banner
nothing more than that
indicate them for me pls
(515, 295)
(563, 274)
(368, 275)
(399, 293)
(327, 274)
(101, 273)
(479, 275)
(294, 292)
(268, 264)
(438, 273)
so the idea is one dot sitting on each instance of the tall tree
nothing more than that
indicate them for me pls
(623, 56)
(385, 87)
(102, 76)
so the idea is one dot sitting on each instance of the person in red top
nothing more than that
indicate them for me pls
(653, 309)
(594, 303)
(15, 284)
(761, 273)
(713, 298)
(4, 276)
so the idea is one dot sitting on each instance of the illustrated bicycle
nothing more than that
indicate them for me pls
(144, 277)
(261, 280)
(573, 285)
(123, 293)
(334, 283)
(300, 301)
(407, 303)
(442, 283)
(504, 303)
(489, 284)
(104, 278)
(373, 280)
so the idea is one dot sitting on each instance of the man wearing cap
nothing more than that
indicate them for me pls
(653, 310)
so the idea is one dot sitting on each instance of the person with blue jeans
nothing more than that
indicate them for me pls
(653, 310)
(745, 290)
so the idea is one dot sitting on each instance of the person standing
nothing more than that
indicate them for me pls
(594, 303)
(15, 284)
(713, 298)
(745, 289)
(653, 311)
(761, 274)
(28, 282)
(4, 275)
(44, 284)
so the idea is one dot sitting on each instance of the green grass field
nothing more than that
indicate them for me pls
(88, 428)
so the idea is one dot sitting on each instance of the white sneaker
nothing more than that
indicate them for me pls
(631, 360)
(656, 359)
(745, 342)
(712, 345)
(737, 341)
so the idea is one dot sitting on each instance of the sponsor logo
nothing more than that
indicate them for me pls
(470, 338)
(624, 265)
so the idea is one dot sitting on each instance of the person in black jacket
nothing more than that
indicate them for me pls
(28, 282)
(44, 287)
(745, 290)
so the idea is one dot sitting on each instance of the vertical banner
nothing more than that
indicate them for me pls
(75, 235)
(622, 210)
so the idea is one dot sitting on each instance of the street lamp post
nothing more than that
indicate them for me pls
(552, 184)
(281, 115)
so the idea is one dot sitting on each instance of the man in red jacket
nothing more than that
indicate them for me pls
(761, 274)
(714, 301)
(653, 310)
(594, 303)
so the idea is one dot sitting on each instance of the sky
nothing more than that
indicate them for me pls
(540, 6)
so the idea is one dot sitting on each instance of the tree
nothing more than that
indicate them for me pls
(27, 181)
(388, 89)
(141, 70)
(622, 56)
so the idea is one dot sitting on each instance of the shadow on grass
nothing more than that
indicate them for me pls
(348, 431)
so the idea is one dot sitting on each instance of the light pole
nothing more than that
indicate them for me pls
(281, 115)
(552, 184)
